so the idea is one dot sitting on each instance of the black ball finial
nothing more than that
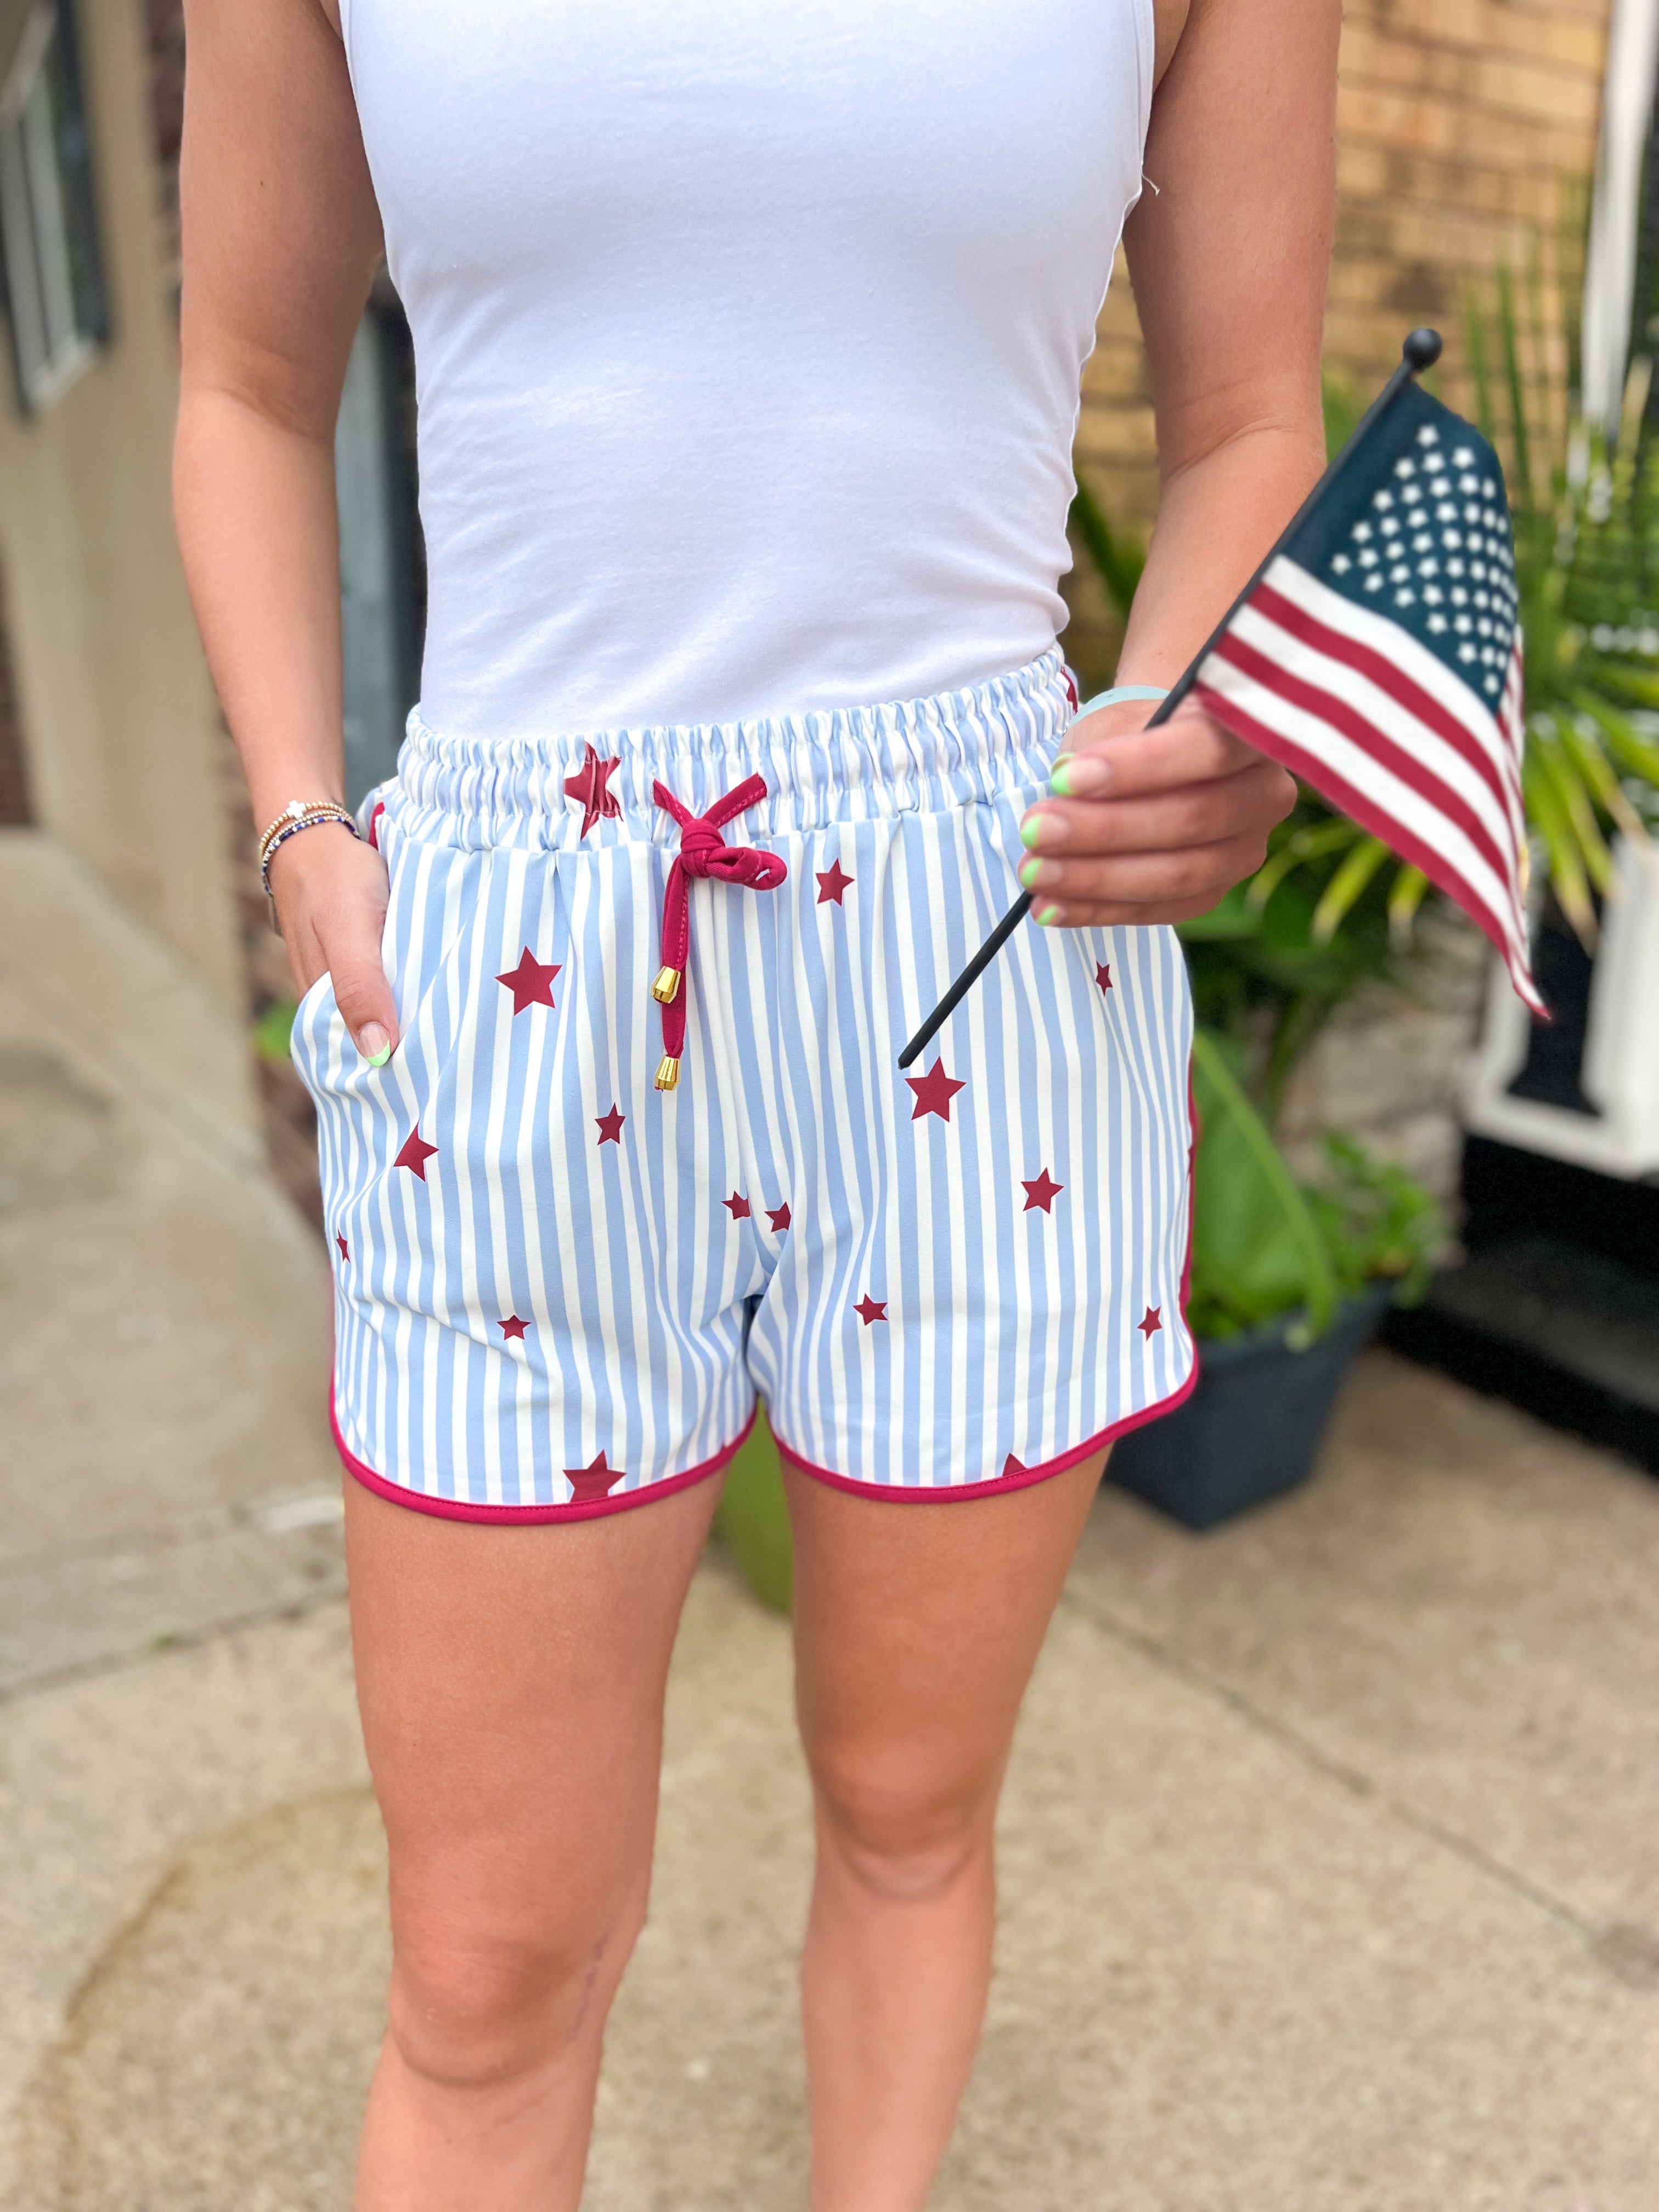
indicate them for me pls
(1421, 350)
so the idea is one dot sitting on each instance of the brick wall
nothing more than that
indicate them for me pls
(1458, 123)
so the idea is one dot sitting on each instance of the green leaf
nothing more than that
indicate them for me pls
(1567, 877)
(1345, 887)
(1257, 1249)
(1638, 756)
(1406, 895)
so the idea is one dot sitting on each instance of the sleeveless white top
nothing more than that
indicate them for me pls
(747, 338)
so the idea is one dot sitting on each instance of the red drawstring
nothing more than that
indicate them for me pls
(703, 852)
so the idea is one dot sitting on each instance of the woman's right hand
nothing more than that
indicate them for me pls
(330, 892)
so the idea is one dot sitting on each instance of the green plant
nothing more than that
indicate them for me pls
(271, 1029)
(1265, 1243)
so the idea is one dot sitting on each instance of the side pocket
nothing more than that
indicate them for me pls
(315, 1019)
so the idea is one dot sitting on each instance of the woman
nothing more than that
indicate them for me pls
(748, 344)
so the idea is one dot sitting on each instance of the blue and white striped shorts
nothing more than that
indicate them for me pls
(559, 1288)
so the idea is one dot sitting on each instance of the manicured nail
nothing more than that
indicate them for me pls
(1040, 828)
(1035, 872)
(1080, 775)
(375, 1044)
(1048, 917)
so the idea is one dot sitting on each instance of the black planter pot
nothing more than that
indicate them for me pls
(1252, 1427)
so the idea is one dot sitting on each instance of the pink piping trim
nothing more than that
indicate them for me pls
(452, 1508)
(943, 1493)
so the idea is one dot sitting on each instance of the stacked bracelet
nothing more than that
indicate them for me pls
(300, 814)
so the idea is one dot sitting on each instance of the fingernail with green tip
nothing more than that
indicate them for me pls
(1036, 872)
(380, 1059)
(1049, 915)
(375, 1044)
(1060, 780)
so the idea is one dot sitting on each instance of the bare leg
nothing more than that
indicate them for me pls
(511, 1682)
(916, 1628)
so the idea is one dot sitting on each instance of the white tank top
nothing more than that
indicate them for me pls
(747, 338)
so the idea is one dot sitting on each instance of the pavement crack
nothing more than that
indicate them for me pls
(1313, 1755)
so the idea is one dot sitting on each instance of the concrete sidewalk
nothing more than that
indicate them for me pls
(1329, 1859)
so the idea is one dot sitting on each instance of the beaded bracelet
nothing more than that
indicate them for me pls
(300, 814)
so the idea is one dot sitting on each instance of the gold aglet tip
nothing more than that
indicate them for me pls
(668, 1071)
(668, 986)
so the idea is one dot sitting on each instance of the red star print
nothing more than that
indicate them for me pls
(1043, 1192)
(345, 1250)
(1012, 1466)
(593, 1481)
(831, 884)
(869, 1309)
(1150, 1322)
(737, 1206)
(1103, 973)
(779, 1216)
(513, 1326)
(591, 785)
(610, 1126)
(415, 1154)
(934, 1092)
(530, 982)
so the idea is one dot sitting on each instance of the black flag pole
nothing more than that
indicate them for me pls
(1420, 351)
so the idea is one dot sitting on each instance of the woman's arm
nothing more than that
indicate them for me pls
(1229, 256)
(281, 240)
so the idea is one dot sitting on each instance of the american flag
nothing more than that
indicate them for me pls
(1378, 657)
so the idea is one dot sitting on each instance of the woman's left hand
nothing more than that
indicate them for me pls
(1149, 825)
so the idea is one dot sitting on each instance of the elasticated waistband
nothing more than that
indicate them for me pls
(916, 756)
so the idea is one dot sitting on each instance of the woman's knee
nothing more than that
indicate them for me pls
(903, 1827)
(471, 2008)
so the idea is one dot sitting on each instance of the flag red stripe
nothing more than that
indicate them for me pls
(1366, 661)
(1324, 779)
(1382, 749)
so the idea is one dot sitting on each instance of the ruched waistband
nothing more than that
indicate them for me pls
(852, 764)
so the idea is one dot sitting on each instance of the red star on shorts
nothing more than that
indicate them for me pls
(345, 1250)
(415, 1154)
(1011, 1467)
(513, 1326)
(869, 1309)
(611, 1125)
(1043, 1192)
(737, 1206)
(593, 1481)
(934, 1092)
(1151, 1322)
(591, 785)
(779, 1216)
(530, 982)
(831, 884)
(1103, 973)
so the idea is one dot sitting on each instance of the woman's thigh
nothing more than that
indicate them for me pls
(916, 1629)
(510, 1685)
